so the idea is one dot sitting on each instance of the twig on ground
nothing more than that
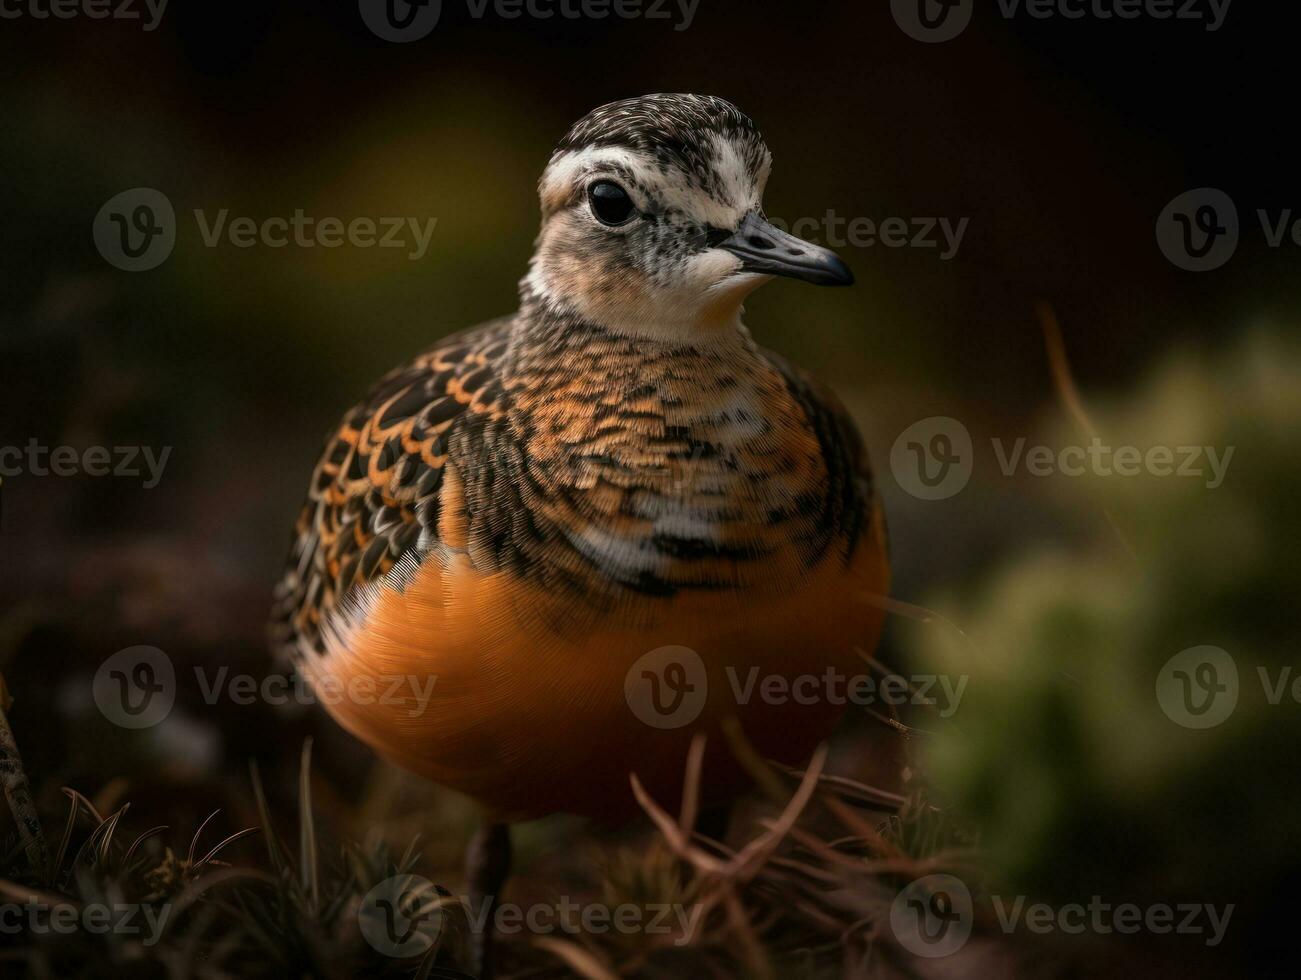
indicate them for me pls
(17, 792)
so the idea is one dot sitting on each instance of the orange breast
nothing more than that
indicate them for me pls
(533, 703)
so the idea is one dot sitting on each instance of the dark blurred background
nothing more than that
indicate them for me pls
(1060, 140)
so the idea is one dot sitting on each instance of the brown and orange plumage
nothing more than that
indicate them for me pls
(529, 507)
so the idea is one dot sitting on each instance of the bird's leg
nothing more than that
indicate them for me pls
(487, 864)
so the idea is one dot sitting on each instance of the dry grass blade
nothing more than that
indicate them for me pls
(822, 876)
(17, 793)
(307, 831)
(851, 789)
(691, 784)
(26, 895)
(752, 951)
(751, 857)
(872, 837)
(83, 802)
(108, 829)
(274, 857)
(580, 960)
(97, 844)
(678, 842)
(68, 828)
(140, 841)
(194, 841)
(222, 845)
(912, 611)
(1059, 364)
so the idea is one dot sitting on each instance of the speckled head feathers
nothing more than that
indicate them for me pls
(678, 130)
(689, 169)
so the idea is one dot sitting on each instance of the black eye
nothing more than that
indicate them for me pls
(610, 203)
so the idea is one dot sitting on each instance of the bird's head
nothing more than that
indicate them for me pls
(652, 219)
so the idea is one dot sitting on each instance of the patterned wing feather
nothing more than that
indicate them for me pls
(850, 493)
(374, 495)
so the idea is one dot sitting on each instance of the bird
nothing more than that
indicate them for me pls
(611, 503)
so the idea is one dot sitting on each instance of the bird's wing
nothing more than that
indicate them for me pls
(850, 502)
(374, 494)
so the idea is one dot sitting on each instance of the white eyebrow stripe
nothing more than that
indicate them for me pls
(566, 167)
(729, 165)
(742, 190)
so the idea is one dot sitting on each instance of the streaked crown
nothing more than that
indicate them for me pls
(679, 131)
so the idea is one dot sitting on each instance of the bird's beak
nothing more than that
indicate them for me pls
(764, 248)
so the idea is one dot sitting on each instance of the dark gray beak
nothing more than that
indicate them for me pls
(761, 247)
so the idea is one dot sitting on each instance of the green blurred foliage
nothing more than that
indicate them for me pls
(1062, 754)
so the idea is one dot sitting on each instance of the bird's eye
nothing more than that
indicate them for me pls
(610, 203)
